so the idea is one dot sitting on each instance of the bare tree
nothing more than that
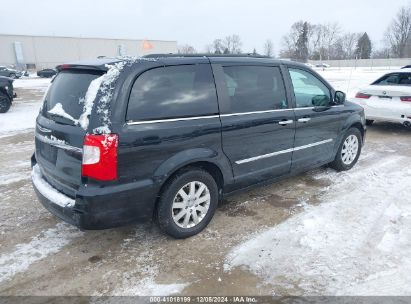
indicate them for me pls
(228, 45)
(349, 41)
(331, 32)
(398, 33)
(186, 49)
(233, 44)
(382, 53)
(316, 44)
(218, 46)
(288, 48)
(268, 48)
(345, 46)
(324, 38)
(209, 48)
(290, 40)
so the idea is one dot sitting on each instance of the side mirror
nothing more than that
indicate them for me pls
(339, 97)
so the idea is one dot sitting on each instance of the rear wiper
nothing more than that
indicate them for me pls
(58, 111)
(54, 115)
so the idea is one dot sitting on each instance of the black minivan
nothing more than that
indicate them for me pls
(166, 138)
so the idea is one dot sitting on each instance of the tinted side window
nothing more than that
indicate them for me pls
(255, 88)
(173, 92)
(309, 91)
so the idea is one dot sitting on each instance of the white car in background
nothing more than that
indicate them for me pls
(388, 98)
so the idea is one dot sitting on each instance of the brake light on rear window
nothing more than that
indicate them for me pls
(362, 95)
(406, 98)
(64, 66)
(100, 157)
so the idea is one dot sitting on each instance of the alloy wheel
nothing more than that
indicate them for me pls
(191, 204)
(349, 150)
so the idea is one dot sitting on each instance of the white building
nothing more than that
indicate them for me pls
(38, 52)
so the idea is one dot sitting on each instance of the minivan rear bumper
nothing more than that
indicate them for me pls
(97, 208)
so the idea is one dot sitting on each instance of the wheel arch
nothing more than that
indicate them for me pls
(206, 158)
(218, 167)
(360, 127)
(354, 121)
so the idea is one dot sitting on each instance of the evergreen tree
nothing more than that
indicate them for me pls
(226, 51)
(301, 52)
(254, 52)
(364, 47)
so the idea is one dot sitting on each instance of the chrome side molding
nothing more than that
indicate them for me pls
(251, 159)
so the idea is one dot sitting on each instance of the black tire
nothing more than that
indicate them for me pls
(169, 192)
(369, 122)
(13, 76)
(338, 163)
(5, 102)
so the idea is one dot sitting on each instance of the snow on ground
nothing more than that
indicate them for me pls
(356, 242)
(23, 112)
(41, 246)
(32, 82)
(21, 116)
(148, 287)
(13, 177)
(141, 279)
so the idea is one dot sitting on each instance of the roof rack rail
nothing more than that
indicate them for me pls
(205, 55)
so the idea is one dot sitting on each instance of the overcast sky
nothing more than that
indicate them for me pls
(192, 21)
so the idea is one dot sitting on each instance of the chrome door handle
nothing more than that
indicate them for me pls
(285, 122)
(305, 119)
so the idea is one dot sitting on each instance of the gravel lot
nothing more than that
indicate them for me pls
(40, 255)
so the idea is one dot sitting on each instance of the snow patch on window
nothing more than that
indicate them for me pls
(89, 101)
(48, 191)
(100, 94)
(107, 89)
(59, 111)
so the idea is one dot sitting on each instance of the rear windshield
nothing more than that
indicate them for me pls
(395, 79)
(65, 98)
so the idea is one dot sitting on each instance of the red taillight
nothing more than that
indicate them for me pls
(100, 157)
(64, 66)
(406, 98)
(362, 95)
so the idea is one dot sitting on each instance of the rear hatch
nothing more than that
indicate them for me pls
(59, 136)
